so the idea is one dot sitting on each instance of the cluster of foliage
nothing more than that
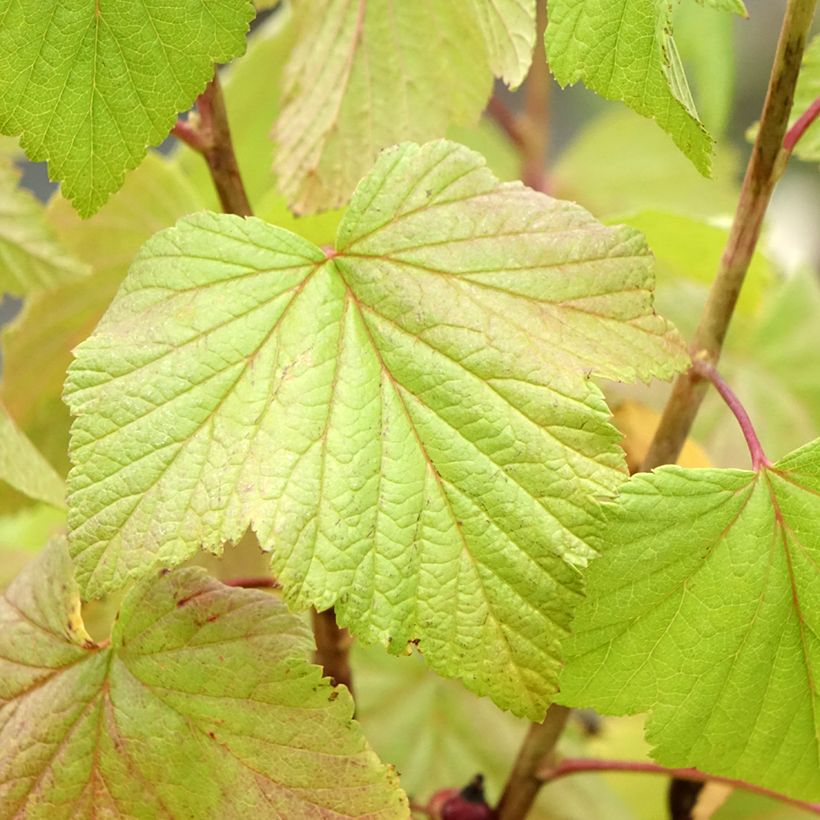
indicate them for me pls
(397, 380)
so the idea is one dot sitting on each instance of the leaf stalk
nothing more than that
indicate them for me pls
(762, 172)
(708, 371)
(569, 766)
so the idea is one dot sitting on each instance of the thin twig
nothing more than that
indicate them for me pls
(506, 120)
(523, 783)
(254, 582)
(332, 647)
(535, 125)
(762, 172)
(801, 125)
(708, 371)
(568, 766)
(210, 135)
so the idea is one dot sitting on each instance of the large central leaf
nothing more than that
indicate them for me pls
(407, 422)
(705, 608)
(203, 705)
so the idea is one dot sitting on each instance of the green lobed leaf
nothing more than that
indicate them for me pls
(732, 6)
(88, 85)
(203, 705)
(31, 258)
(366, 75)
(624, 50)
(407, 422)
(22, 466)
(705, 609)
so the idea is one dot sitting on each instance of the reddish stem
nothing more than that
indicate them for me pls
(708, 371)
(579, 765)
(261, 582)
(801, 125)
(211, 137)
(506, 120)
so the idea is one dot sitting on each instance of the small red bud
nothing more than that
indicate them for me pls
(468, 803)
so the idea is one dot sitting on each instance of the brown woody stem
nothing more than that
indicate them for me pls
(535, 124)
(524, 781)
(764, 168)
(554, 771)
(332, 647)
(529, 132)
(210, 135)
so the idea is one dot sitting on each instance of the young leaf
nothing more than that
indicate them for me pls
(203, 705)
(89, 85)
(31, 259)
(364, 76)
(407, 422)
(624, 50)
(705, 609)
(733, 6)
(22, 466)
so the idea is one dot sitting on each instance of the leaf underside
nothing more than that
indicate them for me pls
(202, 706)
(624, 50)
(365, 75)
(407, 422)
(89, 85)
(705, 609)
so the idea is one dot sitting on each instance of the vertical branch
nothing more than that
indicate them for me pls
(210, 135)
(332, 647)
(529, 131)
(762, 172)
(524, 781)
(535, 125)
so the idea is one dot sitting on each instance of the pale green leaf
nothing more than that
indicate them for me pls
(705, 609)
(366, 75)
(22, 466)
(621, 163)
(439, 735)
(31, 259)
(408, 422)
(732, 6)
(706, 40)
(89, 85)
(203, 705)
(807, 91)
(37, 344)
(624, 50)
(691, 249)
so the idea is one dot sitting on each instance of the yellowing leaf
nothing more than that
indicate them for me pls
(705, 609)
(31, 259)
(365, 75)
(89, 85)
(203, 705)
(22, 466)
(624, 50)
(407, 422)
